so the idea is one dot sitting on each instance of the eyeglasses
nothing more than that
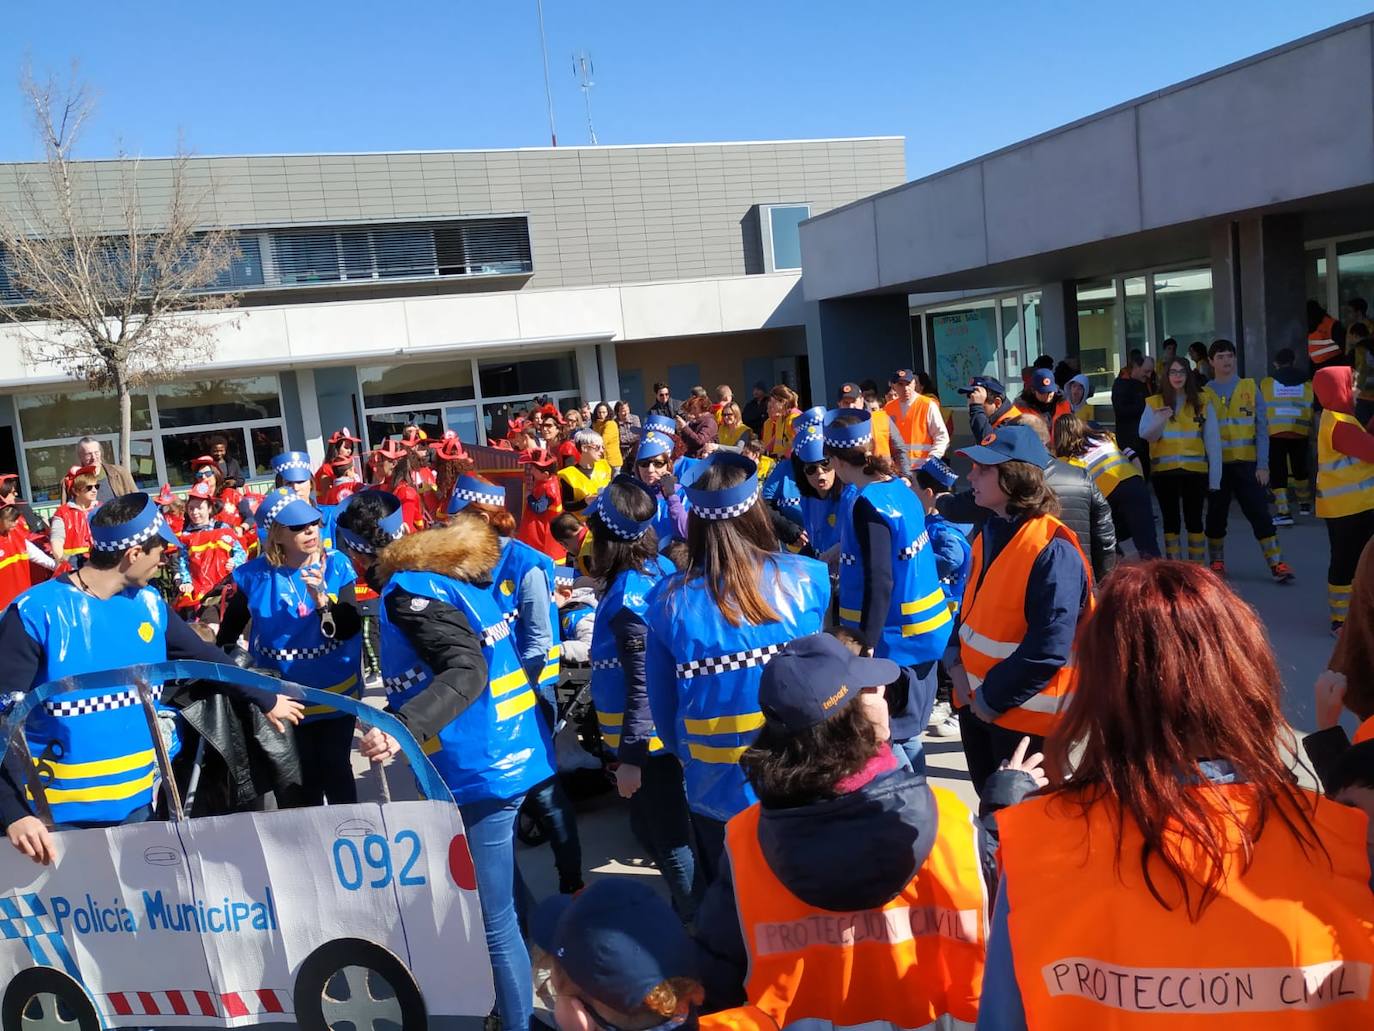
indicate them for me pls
(812, 468)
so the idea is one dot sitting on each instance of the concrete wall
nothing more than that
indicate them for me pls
(719, 359)
(345, 333)
(597, 214)
(1285, 125)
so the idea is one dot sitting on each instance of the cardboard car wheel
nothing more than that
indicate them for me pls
(45, 999)
(338, 985)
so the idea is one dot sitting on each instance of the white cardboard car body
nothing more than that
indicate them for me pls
(234, 920)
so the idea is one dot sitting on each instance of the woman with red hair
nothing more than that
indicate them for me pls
(1178, 868)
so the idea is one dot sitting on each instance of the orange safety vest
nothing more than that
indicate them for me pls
(904, 964)
(1320, 347)
(914, 426)
(993, 621)
(745, 1018)
(1364, 732)
(1013, 412)
(1288, 943)
(882, 436)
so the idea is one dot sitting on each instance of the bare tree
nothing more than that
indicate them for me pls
(103, 285)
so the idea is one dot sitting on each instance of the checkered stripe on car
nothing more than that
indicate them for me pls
(727, 663)
(96, 703)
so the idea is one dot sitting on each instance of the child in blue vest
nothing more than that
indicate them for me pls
(953, 559)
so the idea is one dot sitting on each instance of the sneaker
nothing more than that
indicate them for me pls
(938, 715)
(1281, 573)
(949, 727)
(1218, 567)
(1283, 519)
(1304, 510)
(1336, 625)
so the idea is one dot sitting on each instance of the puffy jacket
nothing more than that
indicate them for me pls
(1083, 510)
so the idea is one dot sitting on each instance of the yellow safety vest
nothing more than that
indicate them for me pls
(1345, 484)
(1288, 409)
(1180, 446)
(1236, 421)
(584, 486)
(1107, 464)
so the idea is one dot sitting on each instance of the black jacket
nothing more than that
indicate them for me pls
(1128, 404)
(1083, 510)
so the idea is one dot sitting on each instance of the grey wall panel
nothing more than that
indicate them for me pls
(949, 209)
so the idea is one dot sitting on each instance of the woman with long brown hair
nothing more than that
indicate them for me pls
(712, 628)
(1185, 457)
(1175, 865)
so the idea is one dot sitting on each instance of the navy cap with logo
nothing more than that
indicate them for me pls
(850, 392)
(617, 940)
(1042, 380)
(1009, 444)
(992, 386)
(815, 677)
(902, 376)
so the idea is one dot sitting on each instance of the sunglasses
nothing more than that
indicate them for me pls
(812, 468)
(302, 527)
(91, 486)
(657, 463)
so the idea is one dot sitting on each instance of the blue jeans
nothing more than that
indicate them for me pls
(490, 826)
(910, 723)
(662, 823)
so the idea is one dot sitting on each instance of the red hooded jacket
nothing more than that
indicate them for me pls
(1334, 391)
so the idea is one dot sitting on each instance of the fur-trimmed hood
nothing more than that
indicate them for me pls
(467, 550)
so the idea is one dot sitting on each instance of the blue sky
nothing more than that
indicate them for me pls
(956, 79)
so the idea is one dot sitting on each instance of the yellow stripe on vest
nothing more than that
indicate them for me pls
(340, 688)
(712, 754)
(103, 793)
(100, 767)
(740, 724)
(509, 682)
(910, 608)
(515, 706)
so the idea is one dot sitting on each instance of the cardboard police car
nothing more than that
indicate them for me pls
(361, 914)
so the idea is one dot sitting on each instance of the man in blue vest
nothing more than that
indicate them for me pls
(103, 616)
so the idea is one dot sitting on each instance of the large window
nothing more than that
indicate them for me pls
(391, 386)
(1183, 307)
(1354, 272)
(1099, 357)
(965, 341)
(782, 235)
(547, 375)
(173, 425)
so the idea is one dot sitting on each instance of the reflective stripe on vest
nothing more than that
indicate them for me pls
(1288, 409)
(744, 1018)
(1320, 347)
(1288, 942)
(904, 964)
(1180, 446)
(994, 621)
(1237, 421)
(1345, 484)
(1108, 465)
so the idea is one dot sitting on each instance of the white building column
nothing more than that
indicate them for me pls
(588, 373)
(310, 415)
(610, 373)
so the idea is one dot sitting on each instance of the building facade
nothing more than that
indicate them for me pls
(442, 289)
(1217, 207)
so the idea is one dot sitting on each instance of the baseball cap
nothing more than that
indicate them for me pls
(815, 677)
(1043, 380)
(902, 376)
(617, 940)
(1009, 444)
(850, 392)
(992, 386)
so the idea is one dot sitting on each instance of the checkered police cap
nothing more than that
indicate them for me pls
(715, 505)
(855, 431)
(140, 529)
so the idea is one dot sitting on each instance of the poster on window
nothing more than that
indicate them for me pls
(965, 346)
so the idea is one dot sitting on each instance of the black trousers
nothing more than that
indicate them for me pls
(1287, 457)
(986, 745)
(1238, 481)
(1175, 490)
(326, 751)
(1348, 536)
(1134, 516)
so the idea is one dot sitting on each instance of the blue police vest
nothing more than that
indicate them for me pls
(685, 468)
(717, 669)
(93, 748)
(820, 520)
(281, 639)
(918, 620)
(663, 525)
(937, 526)
(570, 616)
(629, 590)
(517, 559)
(780, 491)
(498, 747)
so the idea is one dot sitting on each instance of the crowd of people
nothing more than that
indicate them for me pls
(777, 607)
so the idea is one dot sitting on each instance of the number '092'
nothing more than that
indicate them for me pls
(373, 864)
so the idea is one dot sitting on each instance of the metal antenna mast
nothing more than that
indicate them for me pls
(548, 91)
(582, 68)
